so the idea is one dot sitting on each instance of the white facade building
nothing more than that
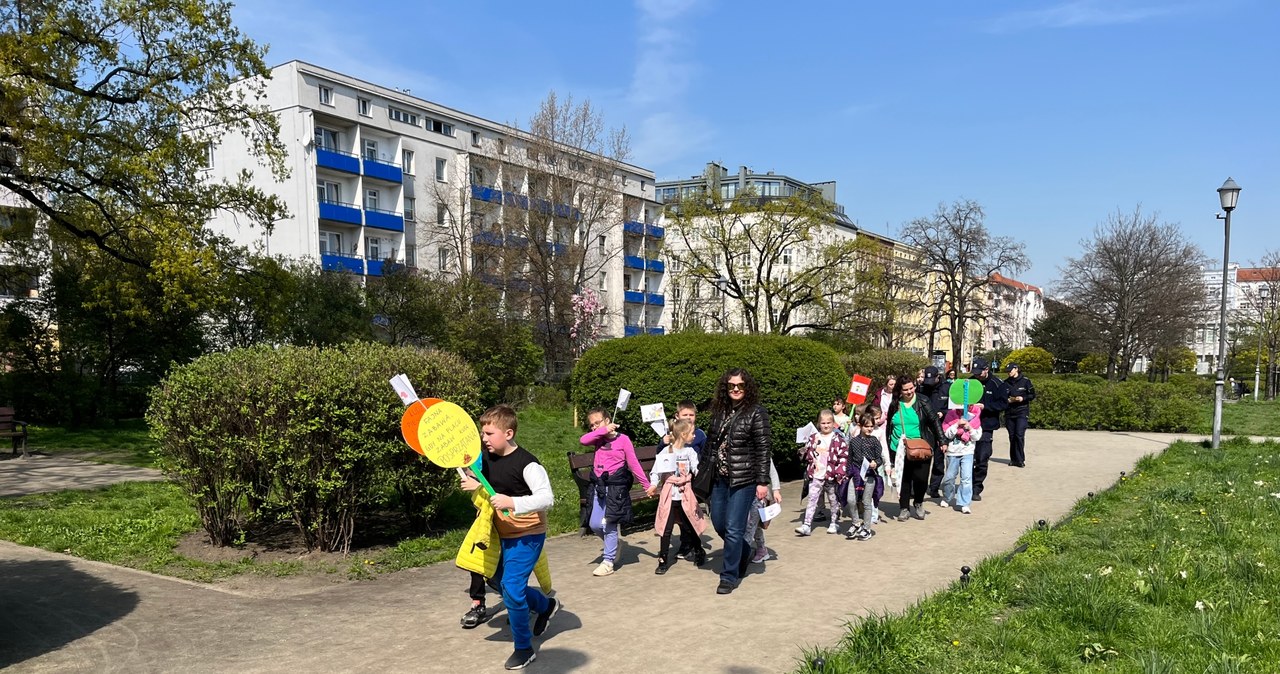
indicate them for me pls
(1013, 307)
(375, 176)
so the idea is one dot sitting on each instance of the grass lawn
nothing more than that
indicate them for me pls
(126, 442)
(1245, 417)
(1175, 569)
(138, 524)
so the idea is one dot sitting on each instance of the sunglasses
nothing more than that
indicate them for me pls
(737, 387)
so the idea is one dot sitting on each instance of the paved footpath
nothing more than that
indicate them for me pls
(40, 473)
(63, 614)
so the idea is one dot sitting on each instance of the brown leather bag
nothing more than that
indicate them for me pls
(917, 449)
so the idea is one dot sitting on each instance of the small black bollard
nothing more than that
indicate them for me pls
(1122, 473)
(819, 664)
(1041, 523)
(964, 575)
(1090, 494)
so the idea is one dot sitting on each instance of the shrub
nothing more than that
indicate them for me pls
(539, 396)
(1029, 359)
(797, 378)
(311, 435)
(880, 364)
(1117, 406)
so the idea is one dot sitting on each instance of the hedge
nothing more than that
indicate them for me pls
(1119, 406)
(880, 364)
(797, 378)
(308, 435)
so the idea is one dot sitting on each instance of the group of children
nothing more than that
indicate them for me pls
(849, 463)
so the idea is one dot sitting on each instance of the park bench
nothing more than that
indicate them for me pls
(17, 430)
(581, 464)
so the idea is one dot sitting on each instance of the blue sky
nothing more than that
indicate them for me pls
(1052, 114)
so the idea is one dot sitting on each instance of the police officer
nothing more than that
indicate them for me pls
(1021, 393)
(935, 395)
(995, 398)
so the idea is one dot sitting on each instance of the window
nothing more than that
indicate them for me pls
(326, 95)
(373, 248)
(443, 255)
(364, 107)
(439, 126)
(371, 199)
(626, 282)
(769, 188)
(409, 204)
(477, 176)
(442, 214)
(531, 153)
(729, 191)
(604, 281)
(411, 255)
(578, 165)
(402, 116)
(208, 156)
(502, 146)
(644, 185)
(370, 149)
(406, 161)
(786, 256)
(667, 194)
(326, 139)
(441, 166)
(600, 244)
(329, 191)
(475, 138)
(330, 242)
(675, 292)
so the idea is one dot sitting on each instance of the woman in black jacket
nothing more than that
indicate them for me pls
(910, 417)
(738, 447)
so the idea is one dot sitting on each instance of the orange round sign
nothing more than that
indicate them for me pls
(441, 431)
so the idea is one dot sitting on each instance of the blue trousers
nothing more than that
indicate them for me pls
(519, 555)
(730, 507)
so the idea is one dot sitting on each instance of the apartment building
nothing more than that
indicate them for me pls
(19, 279)
(1249, 301)
(1012, 307)
(378, 177)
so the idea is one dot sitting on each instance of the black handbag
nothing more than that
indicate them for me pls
(702, 482)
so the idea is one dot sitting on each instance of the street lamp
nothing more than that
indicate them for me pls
(1264, 296)
(1227, 194)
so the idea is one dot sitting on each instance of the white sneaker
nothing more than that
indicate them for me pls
(803, 530)
(833, 528)
(604, 569)
(943, 503)
(966, 510)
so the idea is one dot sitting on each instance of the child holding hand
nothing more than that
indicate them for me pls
(614, 469)
(868, 486)
(826, 453)
(962, 436)
(676, 504)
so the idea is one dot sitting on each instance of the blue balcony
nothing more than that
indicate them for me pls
(657, 331)
(381, 170)
(515, 199)
(654, 231)
(633, 261)
(374, 267)
(633, 297)
(339, 212)
(654, 299)
(337, 160)
(488, 238)
(388, 220)
(632, 227)
(540, 205)
(655, 265)
(632, 330)
(489, 194)
(341, 262)
(516, 241)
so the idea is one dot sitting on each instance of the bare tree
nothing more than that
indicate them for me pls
(1140, 282)
(1261, 307)
(778, 261)
(961, 255)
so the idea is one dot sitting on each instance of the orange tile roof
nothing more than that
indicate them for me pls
(1019, 285)
(1257, 274)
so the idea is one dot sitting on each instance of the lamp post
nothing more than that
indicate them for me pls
(1227, 195)
(1264, 295)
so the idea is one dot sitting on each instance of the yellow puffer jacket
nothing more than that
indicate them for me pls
(481, 550)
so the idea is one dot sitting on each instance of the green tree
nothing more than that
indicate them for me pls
(1064, 332)
(328, 308)
(1092, 363)
(106, 113)
(1175, 359)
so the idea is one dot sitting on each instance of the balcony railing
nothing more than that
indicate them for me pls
(375, 267)
(632, 330)
(381, 170)
(388, 220)
(654, 299)
(633, 227)
(655, 265)
(633, 261)
(337, 160)
(633, 297)
(340, 212)
(657, 331)
(494, 195)
(654, 231)
(342, 262)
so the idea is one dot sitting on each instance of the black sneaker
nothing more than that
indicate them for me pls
(977, 497)
(725, 587)
(699, 556)
(662, 568)
(521, 659)
(475, 617)
(933, 493)
(819, 517)
(862, 534)
(685, 551)
(540, 625)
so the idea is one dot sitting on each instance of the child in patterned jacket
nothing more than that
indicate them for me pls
(826, 453)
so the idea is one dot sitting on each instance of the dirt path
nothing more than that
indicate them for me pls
(60, 613)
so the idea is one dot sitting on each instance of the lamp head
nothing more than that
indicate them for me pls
(1228, 194)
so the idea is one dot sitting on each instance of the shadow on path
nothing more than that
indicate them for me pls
(45, 605)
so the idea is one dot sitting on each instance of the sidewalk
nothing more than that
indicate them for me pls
(41, 473)
(59, 613)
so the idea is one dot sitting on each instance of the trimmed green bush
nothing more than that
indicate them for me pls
(797, 377)
(880, 364)
(1118, 406)
(1029, 359)
(308, 435)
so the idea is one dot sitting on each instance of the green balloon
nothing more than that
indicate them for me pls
(965, 392)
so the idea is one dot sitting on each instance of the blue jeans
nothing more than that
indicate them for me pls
(962, 467)
(609, 532)
(730, 507)
(519, 555)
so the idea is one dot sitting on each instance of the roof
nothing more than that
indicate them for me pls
(1257, 274)
(1012, 283)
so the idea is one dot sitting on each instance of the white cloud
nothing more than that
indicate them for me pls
(1079, 13)
(663, 77)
